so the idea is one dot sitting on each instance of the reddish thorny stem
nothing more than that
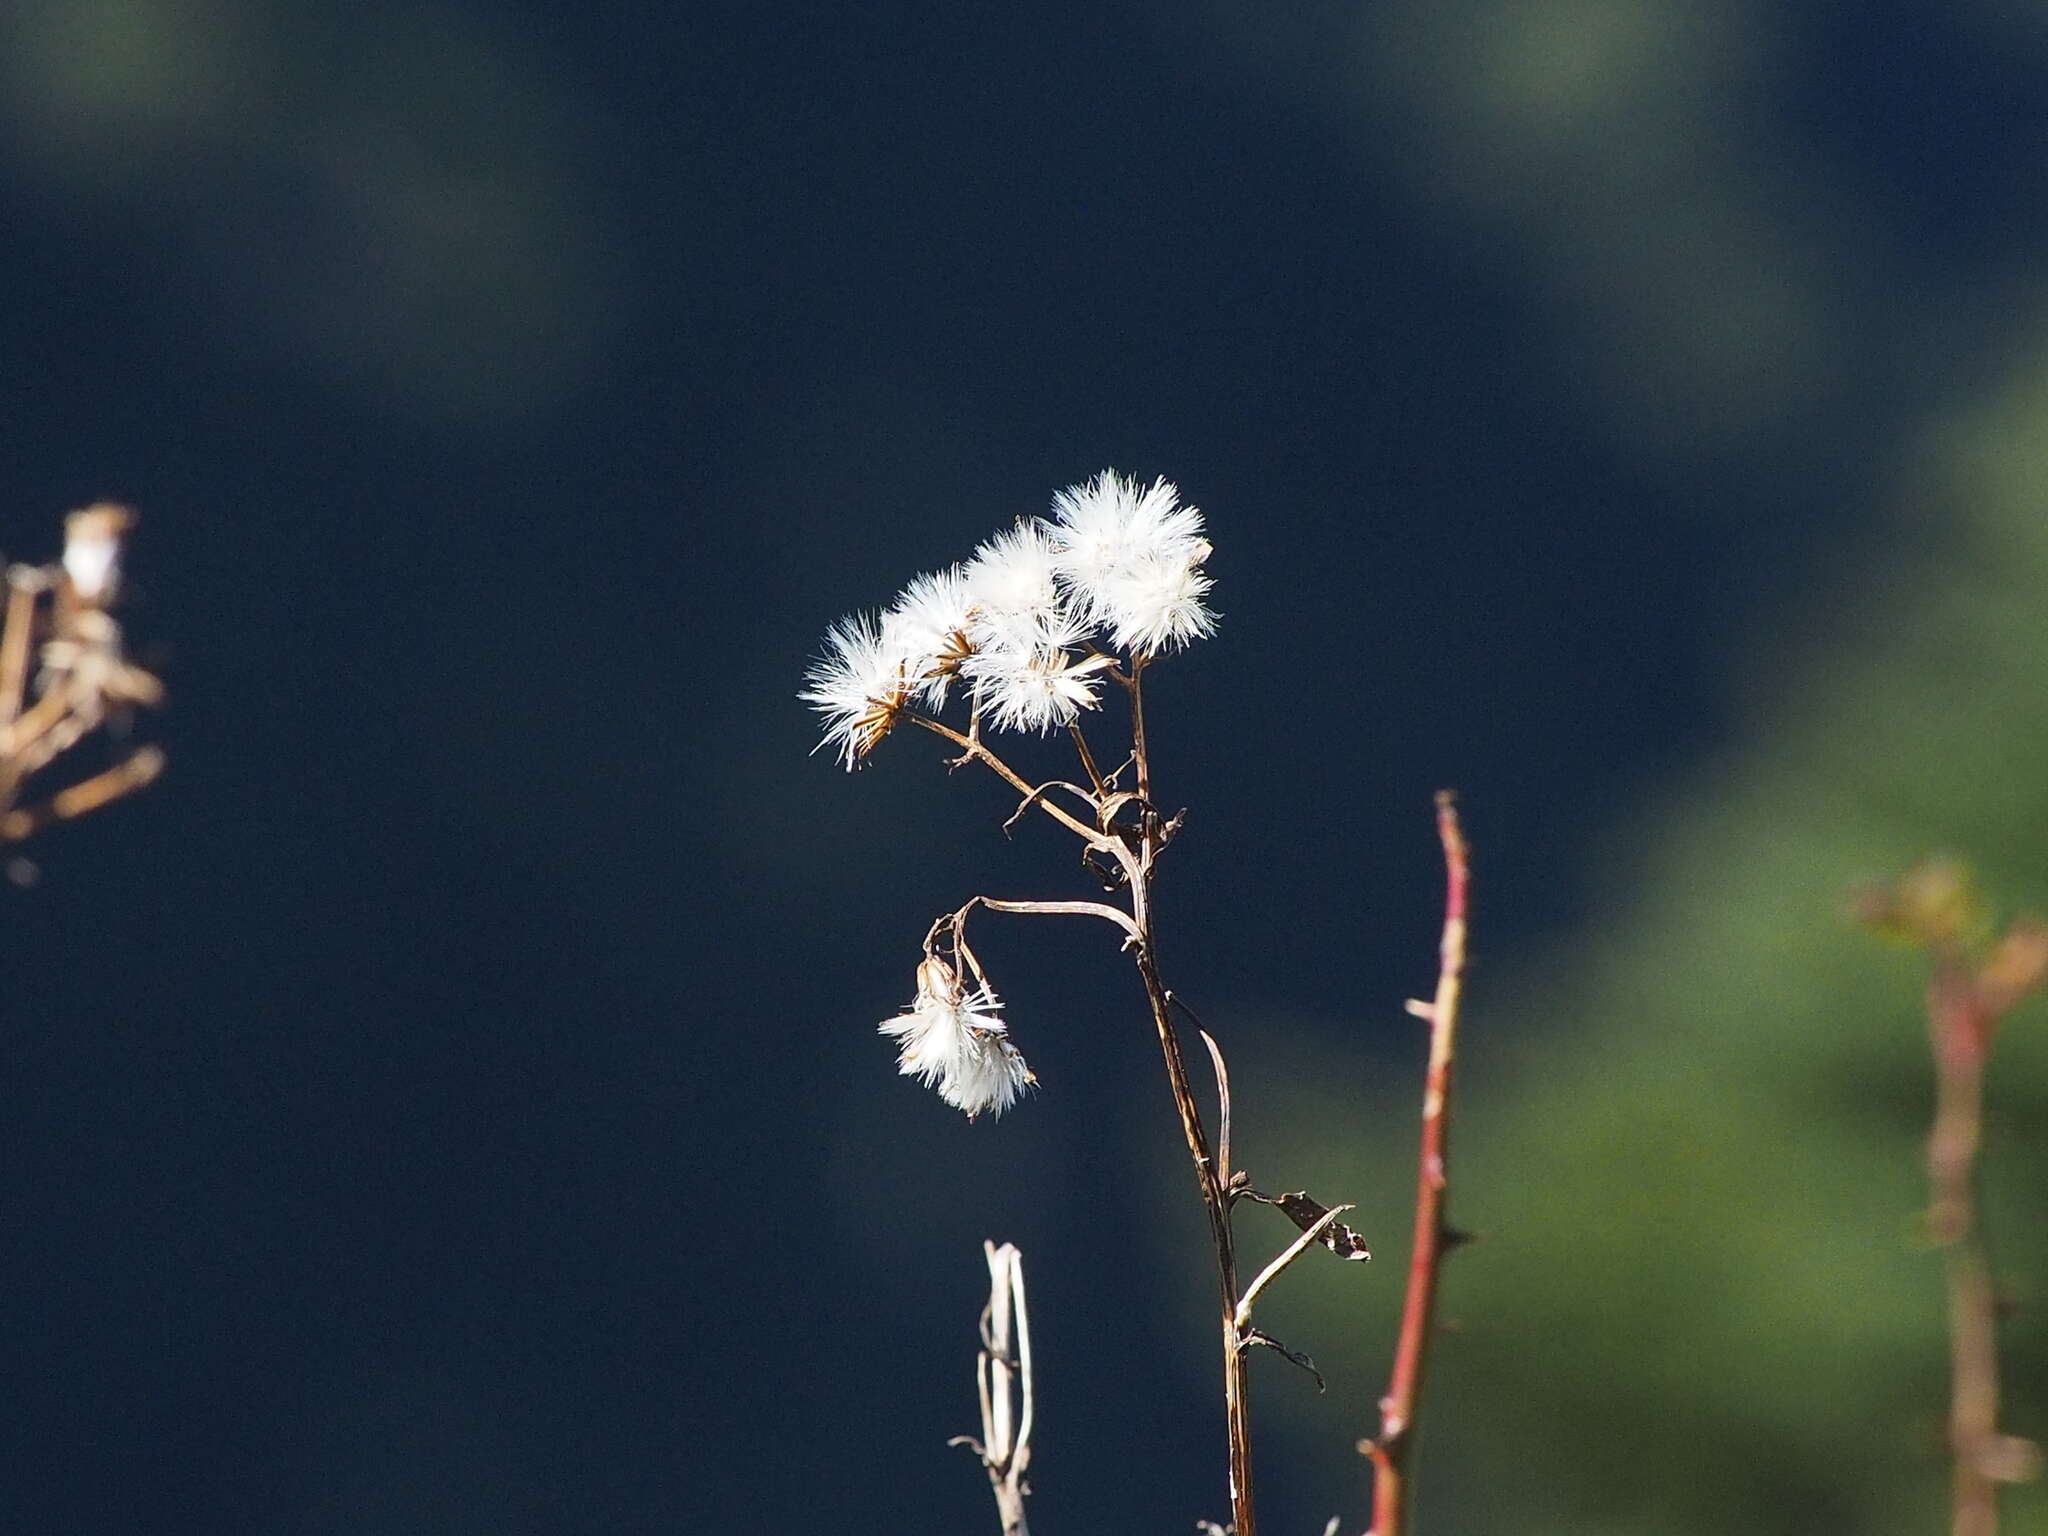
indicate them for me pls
(1960, 1029)
(1434, 1235)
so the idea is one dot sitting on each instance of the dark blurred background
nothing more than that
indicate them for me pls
(450, 1101)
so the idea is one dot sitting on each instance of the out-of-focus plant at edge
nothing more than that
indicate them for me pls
(1693, 1144)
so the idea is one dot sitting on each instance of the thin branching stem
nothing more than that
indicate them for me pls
(1088, 760)
(14, 641)
(1208, 1181)
(1310, 1235)
(1099, 909)
(1134, 851)
(1134, 685)
(139, 768)
(1392, 1449)
(976, 749)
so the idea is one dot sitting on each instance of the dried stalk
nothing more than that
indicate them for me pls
(1216, 1205)
(24, 583)
(1002, 1377)
(974, 749)
(64, 675)
(1122, 850)
(1133, 851)
(1310, 1236)
(1392, 1449)
(1136, 856)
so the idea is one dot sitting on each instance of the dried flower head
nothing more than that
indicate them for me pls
(1013, 581)
(1129, 560)
(1027, 623)
(1032, 681)
(860, 685)
(954, 1041)
(929, 625)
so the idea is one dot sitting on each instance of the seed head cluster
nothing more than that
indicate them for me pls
(1027, 625)
(1027, 630)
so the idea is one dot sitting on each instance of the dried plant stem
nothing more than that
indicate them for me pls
(1135, 686)
(1216, 1204)
(1137, 863)
(125, 777)
(1133, 851)
(14, 640)
(1088, 760)
(1002, 1377)
(1434, 1235)
(1310, 1234)
(974, 750)
(1960, 1030)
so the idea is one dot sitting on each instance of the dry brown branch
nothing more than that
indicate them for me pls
(974, 749)
(64, 676)
(1210, 1185)
(1310, 1236)
(139, 768)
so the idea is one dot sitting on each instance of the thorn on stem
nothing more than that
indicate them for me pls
(1423, 1011)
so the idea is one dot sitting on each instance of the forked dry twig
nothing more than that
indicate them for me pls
(65, 676)
(1002, 1377)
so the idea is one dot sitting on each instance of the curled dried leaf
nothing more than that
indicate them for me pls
(1305, 1212)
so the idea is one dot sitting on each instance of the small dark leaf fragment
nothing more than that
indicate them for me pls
(1304, 1212)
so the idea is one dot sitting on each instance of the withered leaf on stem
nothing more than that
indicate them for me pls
(1305, 1212)
(1258, 1337)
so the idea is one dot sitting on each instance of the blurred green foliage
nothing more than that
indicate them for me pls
(1691, 1135)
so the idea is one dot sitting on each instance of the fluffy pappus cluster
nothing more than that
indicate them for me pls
(1029, 624)
(953, 1040)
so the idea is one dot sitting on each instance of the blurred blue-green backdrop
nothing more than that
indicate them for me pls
(450, 1102)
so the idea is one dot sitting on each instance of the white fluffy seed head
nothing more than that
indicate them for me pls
(1034, 689)
(1013, 578)
(1119, 564)
(1129, 560)
(929, 624)
(954, 1041)
(1023, 670)
(859, 685)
